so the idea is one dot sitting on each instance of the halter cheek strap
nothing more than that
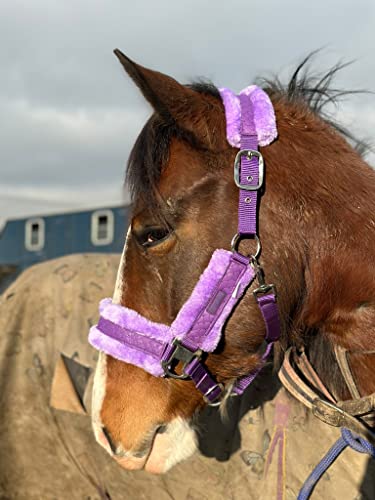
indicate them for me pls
(249, 177)
(126, 335)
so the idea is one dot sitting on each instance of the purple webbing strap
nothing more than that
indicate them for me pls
(249, 175)
(247, 225)
(201, 377)
(270, 312)
(203, 381)
(243, 383)
(130, 338)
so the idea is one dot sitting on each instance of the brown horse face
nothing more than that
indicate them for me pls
(140, 419)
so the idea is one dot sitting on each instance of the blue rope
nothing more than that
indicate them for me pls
(347, 438)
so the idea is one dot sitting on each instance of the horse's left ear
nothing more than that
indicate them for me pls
(199, 113)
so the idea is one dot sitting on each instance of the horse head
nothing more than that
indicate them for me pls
(185, 207)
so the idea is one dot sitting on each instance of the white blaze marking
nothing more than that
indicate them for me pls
(100, 377)
(98, 394)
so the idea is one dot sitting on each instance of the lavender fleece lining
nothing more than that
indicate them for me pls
(129, 319)
(123, 352)
(200, 297)
(264, 115)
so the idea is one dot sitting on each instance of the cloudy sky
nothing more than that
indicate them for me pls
(69, 115)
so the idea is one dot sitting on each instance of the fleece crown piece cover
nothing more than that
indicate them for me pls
(263, 115)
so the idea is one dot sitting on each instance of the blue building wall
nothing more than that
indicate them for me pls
(65, 233)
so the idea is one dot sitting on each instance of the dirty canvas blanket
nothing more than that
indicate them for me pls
(265, 450)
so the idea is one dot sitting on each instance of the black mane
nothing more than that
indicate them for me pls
(316, 91)
(151, 149)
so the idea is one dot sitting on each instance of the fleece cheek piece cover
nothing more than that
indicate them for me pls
(142, 342)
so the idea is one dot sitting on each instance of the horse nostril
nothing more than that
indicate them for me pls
(161, 429)
(112, 445)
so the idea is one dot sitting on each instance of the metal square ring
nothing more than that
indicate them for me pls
(180, 353)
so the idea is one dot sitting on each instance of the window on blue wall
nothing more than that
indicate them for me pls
(34, 235)
(102, 227)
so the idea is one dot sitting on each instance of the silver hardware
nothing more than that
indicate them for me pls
(331, 414)
(263, 286)
(214, 404)
(217, 401)
(228, 392)
(237, 238)
(249, 154)
(247, 199)
(264, 289)
(180, 353)
(249, 178)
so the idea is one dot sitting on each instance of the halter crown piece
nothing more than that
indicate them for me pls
(127, 336)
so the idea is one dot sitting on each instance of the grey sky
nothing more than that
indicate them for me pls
(69, 115)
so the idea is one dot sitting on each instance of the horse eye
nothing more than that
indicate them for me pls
(153, 236)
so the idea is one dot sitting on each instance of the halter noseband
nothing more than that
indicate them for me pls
(130, 337)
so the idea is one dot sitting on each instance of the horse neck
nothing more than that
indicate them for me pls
(325, 191)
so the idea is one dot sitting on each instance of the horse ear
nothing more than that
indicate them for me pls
(201, 114)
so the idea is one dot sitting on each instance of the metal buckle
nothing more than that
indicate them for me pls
(180, 353)
(329, 413)
(249, 154)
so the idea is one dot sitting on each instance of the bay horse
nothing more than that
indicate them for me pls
(316, 222)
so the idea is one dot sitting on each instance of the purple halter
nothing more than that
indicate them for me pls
(126, 335)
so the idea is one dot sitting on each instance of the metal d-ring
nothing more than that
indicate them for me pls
(236, 240)
(218, 400)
